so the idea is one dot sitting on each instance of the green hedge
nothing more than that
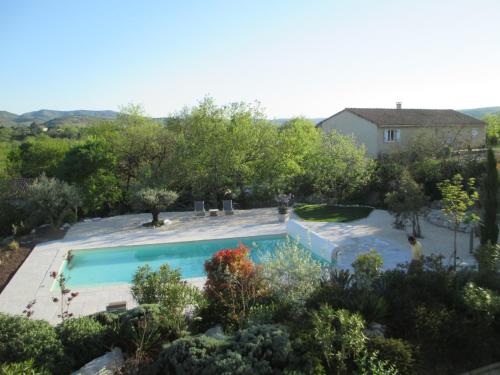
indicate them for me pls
(83, 339)
(22, 339)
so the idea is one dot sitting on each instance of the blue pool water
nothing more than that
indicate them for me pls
(118, 264)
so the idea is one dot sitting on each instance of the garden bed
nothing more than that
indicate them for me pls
(336, 214)
(11, 260)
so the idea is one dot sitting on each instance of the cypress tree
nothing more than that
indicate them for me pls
(489, 227)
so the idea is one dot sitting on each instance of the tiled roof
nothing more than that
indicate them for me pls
(419, 117)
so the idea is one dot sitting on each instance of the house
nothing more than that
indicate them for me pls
(383, 130)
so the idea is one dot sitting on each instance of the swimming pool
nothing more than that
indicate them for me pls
(114, 265)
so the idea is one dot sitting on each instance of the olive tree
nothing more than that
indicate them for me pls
(407, 202)
(154, 201)
(51, 200)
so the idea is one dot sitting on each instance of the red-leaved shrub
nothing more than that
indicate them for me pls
(234, 284)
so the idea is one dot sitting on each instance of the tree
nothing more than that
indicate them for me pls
(338, 167)
(489, 227)
(38, 155)
(493, 128)
(222, 148)
(456, 202)
(92, 166)
(154, 201)
(52, 200)
(297, 140)
(407, 202)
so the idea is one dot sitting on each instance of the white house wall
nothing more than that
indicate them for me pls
(364, 131)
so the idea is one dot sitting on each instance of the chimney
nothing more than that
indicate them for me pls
(398, 105)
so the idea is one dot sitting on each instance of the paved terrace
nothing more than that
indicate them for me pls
(32, 281)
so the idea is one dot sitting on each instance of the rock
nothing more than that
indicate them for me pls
(107, 364)
(65, 226)
(216, 332)
(375, 330)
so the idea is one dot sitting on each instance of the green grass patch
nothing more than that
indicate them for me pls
(335, 214)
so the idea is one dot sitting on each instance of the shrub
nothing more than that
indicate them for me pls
(13, 246)
(261, 349)
(481, 301)
(396, 351)
(488, 258)
(370, 304)
(371, 364)
(267, 346)
(111, 322)
(151, 287)
(144, 329)
(233, 285)
(188, 356)
(24, 368)
(334, 290)
(22, 339)
(229, 363)
(338, 338)
(367, 268)
(166, 288)
(291, 274)
(83, 339)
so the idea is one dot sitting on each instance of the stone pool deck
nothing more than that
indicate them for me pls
(32, 281)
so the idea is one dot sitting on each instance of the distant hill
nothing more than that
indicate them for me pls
(52, 118)
(7, 118)
(481, 112)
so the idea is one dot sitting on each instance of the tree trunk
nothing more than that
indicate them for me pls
(417, 231)
(156, 220)
(455, 247)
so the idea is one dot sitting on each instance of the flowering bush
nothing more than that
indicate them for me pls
(234, 284)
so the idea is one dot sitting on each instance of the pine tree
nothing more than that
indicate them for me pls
(489, 227)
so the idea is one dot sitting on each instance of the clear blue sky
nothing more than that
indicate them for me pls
(305, 57)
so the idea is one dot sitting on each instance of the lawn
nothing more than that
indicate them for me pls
(335, 214)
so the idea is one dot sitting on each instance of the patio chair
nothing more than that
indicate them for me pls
(199, 208)
(227, 206)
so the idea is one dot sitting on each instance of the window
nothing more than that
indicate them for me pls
(474, 133)
(391, 135)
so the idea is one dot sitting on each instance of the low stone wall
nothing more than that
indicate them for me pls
(438, 218)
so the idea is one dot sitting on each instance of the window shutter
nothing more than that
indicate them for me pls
(386, 135)
(397, 135)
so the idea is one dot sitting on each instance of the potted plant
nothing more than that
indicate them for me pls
(283, 201)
